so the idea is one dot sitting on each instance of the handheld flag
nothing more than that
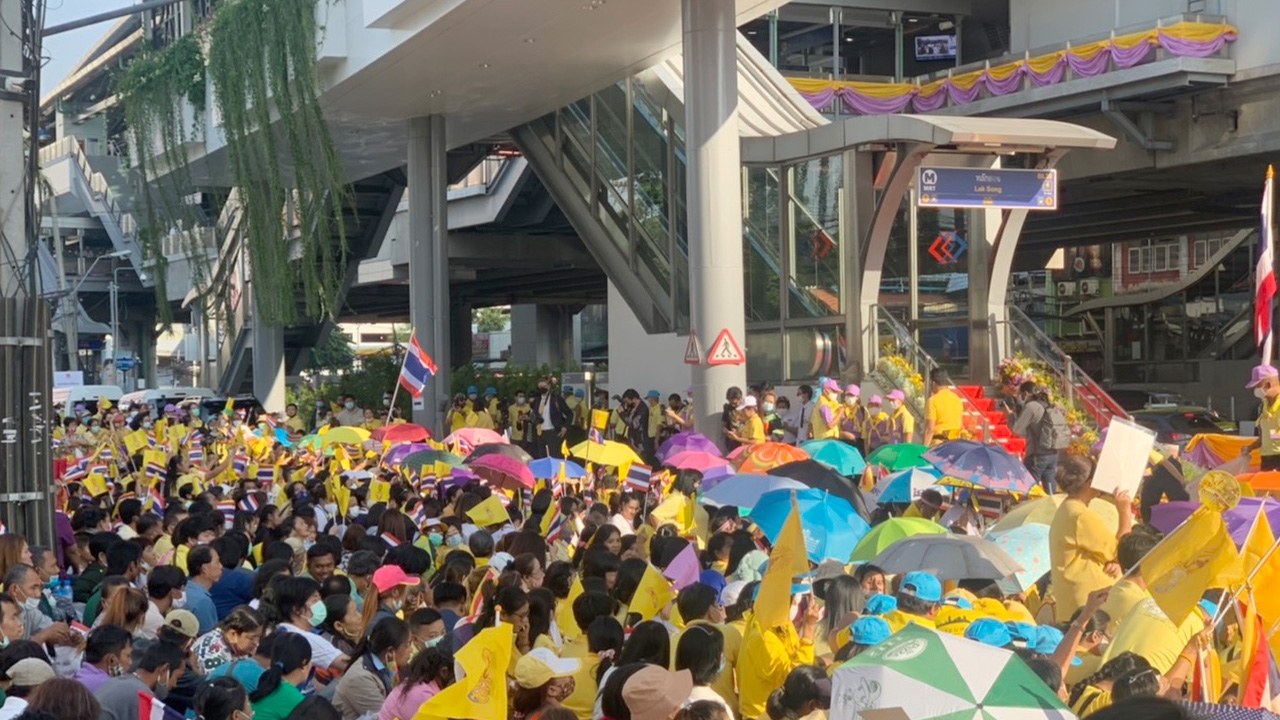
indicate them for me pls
(149, 708)
(379, 491)
(1264, 273)
(417, 369)
(1196, 556)
(788, 560)
(684, 569)
(481, 692)
(638, 477)
(653, 594)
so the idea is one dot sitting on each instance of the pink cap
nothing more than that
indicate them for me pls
(876, 400)
(390, 576)
(897, 395)
(831, 385)
(1261, 374)
(853, 390)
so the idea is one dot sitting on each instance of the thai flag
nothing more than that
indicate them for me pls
(1264, 274)
(417, 369)
(595, 436)
(155, 500)
(100, 468)
(267, 474)
(149, 708)
(77, 472)
(240, 463)
(391, 540)
(195, 455)
(248, 503)
(106, 455)
(155, 470)
(228, 510)
(639, 477)
(420, 515)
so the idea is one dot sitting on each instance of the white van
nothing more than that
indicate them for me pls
(87, 395)
(159, 397)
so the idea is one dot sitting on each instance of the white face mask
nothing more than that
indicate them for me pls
(331, 508)
(1260, 393)
(31, 604)
(180, 602)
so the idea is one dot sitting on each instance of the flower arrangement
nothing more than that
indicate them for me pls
(903, 376)
(1018, 369)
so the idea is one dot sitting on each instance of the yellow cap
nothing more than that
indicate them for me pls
(990, 607)
(954, 620)
(540, 666)
(1018, 612)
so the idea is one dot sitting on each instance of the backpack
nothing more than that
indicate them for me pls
(1054, 434)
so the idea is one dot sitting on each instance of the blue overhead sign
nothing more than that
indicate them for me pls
(987, 188)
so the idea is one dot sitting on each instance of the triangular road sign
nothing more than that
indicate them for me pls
(693, 353)
(725, 350)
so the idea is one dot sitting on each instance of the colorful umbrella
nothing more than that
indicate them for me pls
(933, 675)
(816, 475)
(760, 458)
(503, 471)
(898, 457)
(514, 452)
(744, 491)
(831, 528)
(837, 455)
(1042, 510)
(401, 432)
(396, 455)
(344, 435)
(1029, 547)
(949, 557)
(891, 531)
(605, 453)
(310, 442)
(1266, 481)
(1167, 516)
(470, 438)
(904, 485)
(695, 460)
(431, 457)
(549, 469)
(988, 466)
(680, 442)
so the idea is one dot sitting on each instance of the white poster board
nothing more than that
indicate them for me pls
(1124, 458)
(68, 378)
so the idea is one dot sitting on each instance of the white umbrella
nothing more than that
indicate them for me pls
(949, 557)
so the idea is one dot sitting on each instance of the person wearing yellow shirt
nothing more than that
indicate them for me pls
(919, 598)
(1130, 590)
(769, 655)
(824, 422)
(944, 412)
(1082, 548)
(294, 424)
(1265, 384)
(902, 425)
(600, 639)
(656, 417)
(371, 421)
(518, 414)
(480, 418)
(700, 607)
(458, 414)
(752, 428)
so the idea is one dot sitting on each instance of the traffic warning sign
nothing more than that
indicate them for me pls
(693, 353)
(725, 350)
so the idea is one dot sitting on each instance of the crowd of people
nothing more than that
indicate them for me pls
(239, 568)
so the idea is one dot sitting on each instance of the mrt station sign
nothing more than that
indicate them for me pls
(948, 187)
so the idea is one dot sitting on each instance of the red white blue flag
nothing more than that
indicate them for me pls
(417, 369)
(1264, 274)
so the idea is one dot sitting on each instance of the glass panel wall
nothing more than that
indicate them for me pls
(814, 251)
(761, 245)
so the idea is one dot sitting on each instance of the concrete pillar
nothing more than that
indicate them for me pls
(429, 305)
(12, 180)
(716, 297)
(984, 225)
(460, 332)
(859, 208)
(268, 365)
(542, 334)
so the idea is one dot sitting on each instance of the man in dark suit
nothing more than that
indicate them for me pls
(551, 418)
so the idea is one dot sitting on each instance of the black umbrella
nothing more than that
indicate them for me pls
(821, 477)
(512, 451)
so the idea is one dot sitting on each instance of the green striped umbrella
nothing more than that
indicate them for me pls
(899, 457)
(935, 676)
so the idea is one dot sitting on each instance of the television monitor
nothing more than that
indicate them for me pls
(935, 47)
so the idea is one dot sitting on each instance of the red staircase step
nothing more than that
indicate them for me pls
(984, 404)
(996, 417)
(971, 391)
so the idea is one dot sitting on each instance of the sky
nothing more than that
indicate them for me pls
(65, 50)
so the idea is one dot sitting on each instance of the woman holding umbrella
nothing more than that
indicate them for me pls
(1082, 548)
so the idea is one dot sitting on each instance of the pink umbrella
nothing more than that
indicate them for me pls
(467, 439)
(693, 460)
(684, 441)
(503, 471)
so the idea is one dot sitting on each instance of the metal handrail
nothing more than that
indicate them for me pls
(70, 146)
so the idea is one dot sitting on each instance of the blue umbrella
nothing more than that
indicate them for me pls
(904, 486)
(549, 469)
(837, 455)
(988, 466)
(831, 527)
(744, 491)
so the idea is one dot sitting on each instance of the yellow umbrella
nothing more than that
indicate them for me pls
(345, 435)
(1042, 510)
(605, 453)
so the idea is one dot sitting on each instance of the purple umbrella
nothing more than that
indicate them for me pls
(688, 441)
(397, 454)
(1167, 516)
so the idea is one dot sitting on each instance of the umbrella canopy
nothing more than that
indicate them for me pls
(310, 442)
(344, 435)
(695, 460)
(988, 466)
(506, 472)
(549, 469)
(515, 452)
(684, 441)
(431, 457)
(819, 476)
(891, 531)
(930, 674)
(1042, 510)
(396, 455)
(605, 453)
(1167, 516)
(402, 432)
(904, 486)
(1261, 481)
(949, 557)
(898, 457)
(744, 491)
(831, 529)
(760, 458)
(837, 455)
(470, 438)
(1029, 547)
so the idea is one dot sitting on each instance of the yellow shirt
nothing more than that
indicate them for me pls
(946, 410)
(1269, 424)
(768, 656)
(1091, 701)
(898, 619)
(458, 420)
(724, 685)
(753, 430)
(517, 411)
(1124, 596)
(583, 699)
(818, 427)
(1148, 632)
(373, 424)
(295, 424)
(480, 419)
(180, 557)
(655, 420)
(908, 423)
(1080, 544)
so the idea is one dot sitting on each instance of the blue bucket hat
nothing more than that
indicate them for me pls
(653, 395)
(880, 604)
(922, 585)
(490, 391)
(471, 390)
(1047, 640)
(1022, 633)
(989, 631)
(869, 630)
(579, 393)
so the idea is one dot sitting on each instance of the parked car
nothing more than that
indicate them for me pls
(1175, 425)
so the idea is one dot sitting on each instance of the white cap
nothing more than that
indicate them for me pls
(500, 561)
(731, 592)
(749, 401)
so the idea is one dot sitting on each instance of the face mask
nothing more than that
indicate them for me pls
(435, 539)
(319, 405)
(331, 508)
(472, 396)
(318, 613)
(195, 412)
(53, 583)
(308, 544)
(395, 605)
(768, 407)
(1260, 393)
(180, 602)
(146, 424)
(162, 690)
(31, 604)
(349, 405)
(851, 401)
(430, 643)
(519, 399)
(95, 429)
(453, 541)
(116, 670)
(386, 402)
(4, 641)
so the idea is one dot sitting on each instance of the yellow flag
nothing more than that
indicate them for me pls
(103, 403)
(1257, 544)
(1193, 558)
(623, 471)
(489, 512)
(564, 612)
(342, 496)
(481, 694)
(787, 560)
(135, 441)
(96, 484)
(600, 419)
(443, 469)
(379, 491)
(653, 594)
(564, 448)
(155, 457)
(1265, 578)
